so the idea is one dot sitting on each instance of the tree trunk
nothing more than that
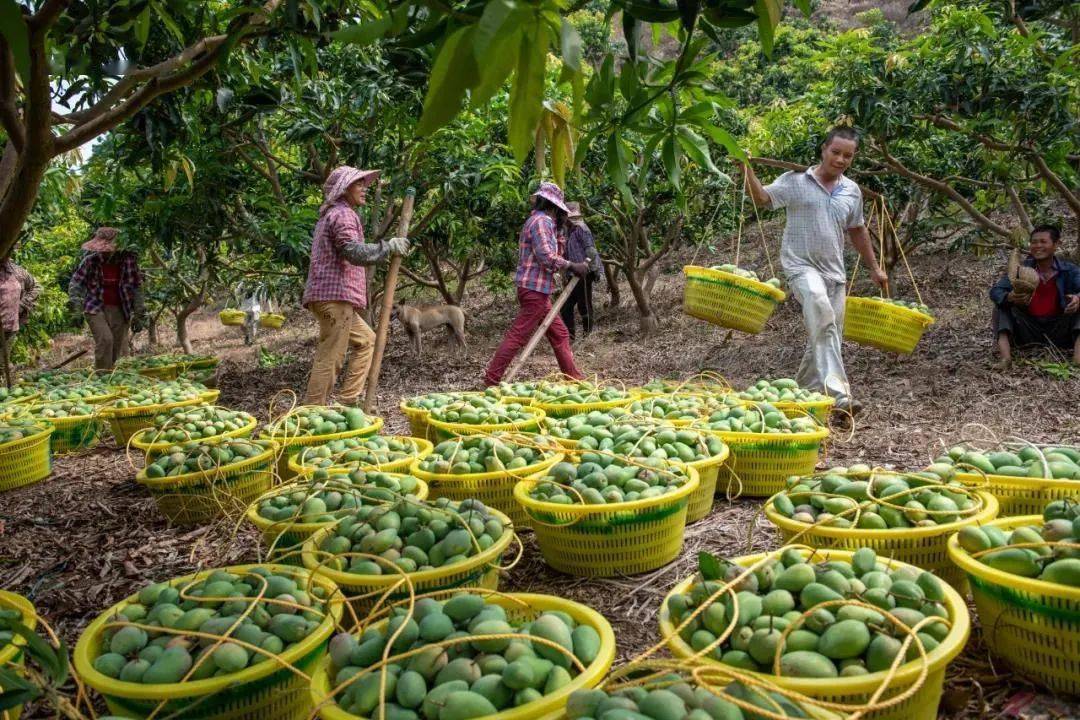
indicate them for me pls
(646, 319)
(152, 330)
(613, 286)
(22, 192)
(181, 322)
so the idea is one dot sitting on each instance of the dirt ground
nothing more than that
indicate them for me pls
(88, 536)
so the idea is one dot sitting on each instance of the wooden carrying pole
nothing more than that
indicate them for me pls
(550, 318)
(383, 328)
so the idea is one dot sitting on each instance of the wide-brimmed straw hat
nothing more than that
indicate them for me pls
(104, 241)
(553, 194)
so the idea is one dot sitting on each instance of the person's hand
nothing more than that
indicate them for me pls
(398, 245)
(580, 269)
(880, 277)
(1073, 305)
(1019, 298)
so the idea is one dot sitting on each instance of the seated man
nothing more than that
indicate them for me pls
(1048, 315)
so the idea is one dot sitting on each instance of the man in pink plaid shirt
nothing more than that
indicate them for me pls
(540, 247)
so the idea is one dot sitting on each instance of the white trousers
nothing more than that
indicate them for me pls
(822, 366)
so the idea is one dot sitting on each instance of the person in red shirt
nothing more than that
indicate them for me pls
(1050, 314)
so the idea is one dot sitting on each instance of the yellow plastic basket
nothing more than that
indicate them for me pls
(562, 410)
(922, 705)
(290, 444)
(273, 321)
(144, 439)
(233, 318)
(1032, 624)
(519, 607)
(874, 322)
(71, 434)
(611, 539)
(363, 591)
(26, 461)
(264, 691)
(728, 300)
(160, 372)
(418, 421)
(199, 497)
(1021, 495)
(11, 655)
(494, 489)
(422, 448)
(286, 538)
(701, 500)
(448, 430)
(761, 462)
(817, 409)
(125, 422)
(923, 547)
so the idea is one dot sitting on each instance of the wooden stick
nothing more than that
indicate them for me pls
(389, 284)
(4, 349)
(73, 356)
(785, 165)
(519, 361)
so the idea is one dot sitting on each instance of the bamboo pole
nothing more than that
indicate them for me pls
(519, 361)
(383, 328)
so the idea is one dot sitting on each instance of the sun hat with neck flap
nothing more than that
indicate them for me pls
(339, 181)
(553, 194)
(104, 241)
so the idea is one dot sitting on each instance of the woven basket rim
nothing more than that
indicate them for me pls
(521, 494)
(905, 313)
(199, 477)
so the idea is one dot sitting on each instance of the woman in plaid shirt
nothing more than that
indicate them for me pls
(541, 250)
(107, 289)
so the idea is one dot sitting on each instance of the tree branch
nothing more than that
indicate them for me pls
(47, 14)
(1018, 205)
(669, 239)
(946, 123)
(426, 282)
(1051, 177)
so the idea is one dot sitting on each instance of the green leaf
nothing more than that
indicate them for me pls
(454, 71)
(650, 12)
(527, 90)
(628, 81)
(168, 21)
(768, 14)
(696, 147)
(142, 26)
(570, 44)
(13, 28)
(709, 567)
(496, 65)
(688, 12)
(490, 27)
(364, 33)
(616, 160)
(722, 137)
(669, 153)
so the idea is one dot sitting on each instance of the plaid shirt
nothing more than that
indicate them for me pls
(817, 220)
(87, 289)
(331, 277)
(18, 293)
(541, 251)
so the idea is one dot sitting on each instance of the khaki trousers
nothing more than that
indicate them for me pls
(110, 330)
(340, 327)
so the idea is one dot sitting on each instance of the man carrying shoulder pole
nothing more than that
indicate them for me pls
(822, 206)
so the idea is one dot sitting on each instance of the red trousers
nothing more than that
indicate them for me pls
(534, 307)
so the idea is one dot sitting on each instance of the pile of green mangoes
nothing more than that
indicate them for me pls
(756, 418)
(1044, 560)
(747, 274)
(14, 429)
(919, 501)
(464, 680)
(673, 407)
(909, 304)
(699, 386)
(435, 400)
(671, 697)
(204, 457)
(843, 641)
(325, 499)
(154, 657)
(517, 389)
(577, 393)
(79, 391)
(14, 394)
(647, 440)
(140, 362)
(184, 424)
(481, 410)
(157, 394)
(481, 454)
(314, 421)
(374, 450)
(1061, 463)
(588, 429)
(55, 378)
(780, 390)
(410, 535)
(62, 409)
(605, 478)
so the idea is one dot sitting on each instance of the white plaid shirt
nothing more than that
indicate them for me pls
(816, 222)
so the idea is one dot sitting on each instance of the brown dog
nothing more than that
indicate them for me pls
(416, 320)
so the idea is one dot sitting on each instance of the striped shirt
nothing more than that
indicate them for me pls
(541, 254)
(817, 221)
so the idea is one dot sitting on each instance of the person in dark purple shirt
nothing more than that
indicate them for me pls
(581, 248)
